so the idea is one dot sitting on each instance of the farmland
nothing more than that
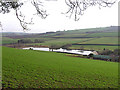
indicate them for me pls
(60, 41)
(7, 40)
(94, 47)
(40, 69)
(105, 35)
(103, 40)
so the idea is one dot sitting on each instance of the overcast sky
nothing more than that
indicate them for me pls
(93, 17)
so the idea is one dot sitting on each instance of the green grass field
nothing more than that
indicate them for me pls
(7, 40)
(94, 47)
(63, 41)
(102, 40)
(103, 34)
(40, 69)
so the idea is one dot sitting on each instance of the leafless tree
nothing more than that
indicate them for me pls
(1, 26)
(7, 5)
(76, 8)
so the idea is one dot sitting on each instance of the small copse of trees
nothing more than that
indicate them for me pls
(66, 46)
(24, 41)
(30, 41)
(38, 41)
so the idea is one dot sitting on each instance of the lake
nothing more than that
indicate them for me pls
(62, 50)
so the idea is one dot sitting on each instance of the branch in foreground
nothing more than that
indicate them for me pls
(22, 21)
(6, 6)
(1, 26)
(40, 12)
(77, 7)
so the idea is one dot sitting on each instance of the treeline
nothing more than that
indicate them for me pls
(30, 41)
(115, 52)
(112, 58)
(108, 55)
(54, 46)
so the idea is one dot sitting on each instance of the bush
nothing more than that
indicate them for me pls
(25, 41)
(38, 41)
(106, 52)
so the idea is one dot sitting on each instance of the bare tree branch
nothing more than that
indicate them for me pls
(22, 21)
(1, 26)
(40, 12)
(77, 7)
(6, 6)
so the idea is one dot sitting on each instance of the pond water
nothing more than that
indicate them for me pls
(62, 50)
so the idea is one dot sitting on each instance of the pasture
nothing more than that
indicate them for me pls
(102, 40)
(63, 41)
(102, 35)
(40, 69)
(94, 47)
(7, 40)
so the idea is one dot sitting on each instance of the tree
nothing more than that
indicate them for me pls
(38, 41)
(24, 41)
(116, 52)
(66, 46)
(106, 52)
(76, 8)
(7, 5)
(54, 46)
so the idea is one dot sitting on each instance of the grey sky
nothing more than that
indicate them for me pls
(93, 17)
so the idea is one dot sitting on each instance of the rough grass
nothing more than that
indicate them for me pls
(94, 47)
(103, 34)
(6, 40)
(60, 42)
(39, 69)
(102, 40)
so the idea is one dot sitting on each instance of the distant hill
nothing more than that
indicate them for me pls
(78, 33)
(13, 33)
(90, 39)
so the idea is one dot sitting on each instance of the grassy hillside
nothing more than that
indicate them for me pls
(60, 41)
(7, 40)
(105, 35)
(94, 47)
(102, 40)
(90, 32)
(13, 33)
(39, 69)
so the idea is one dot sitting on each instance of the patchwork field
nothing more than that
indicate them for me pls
(102, 40)
(7, 40)
(94, 47)
(103, 35)
(60, 42)
(63, 41)
(40, 69)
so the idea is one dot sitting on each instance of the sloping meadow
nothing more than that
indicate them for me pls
(40, 69)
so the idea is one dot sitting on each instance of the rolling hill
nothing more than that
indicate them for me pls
(104, 35)
(40, 69)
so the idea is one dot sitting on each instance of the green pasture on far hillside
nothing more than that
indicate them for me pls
(102, 40)
(94, 47)
(7, 40)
